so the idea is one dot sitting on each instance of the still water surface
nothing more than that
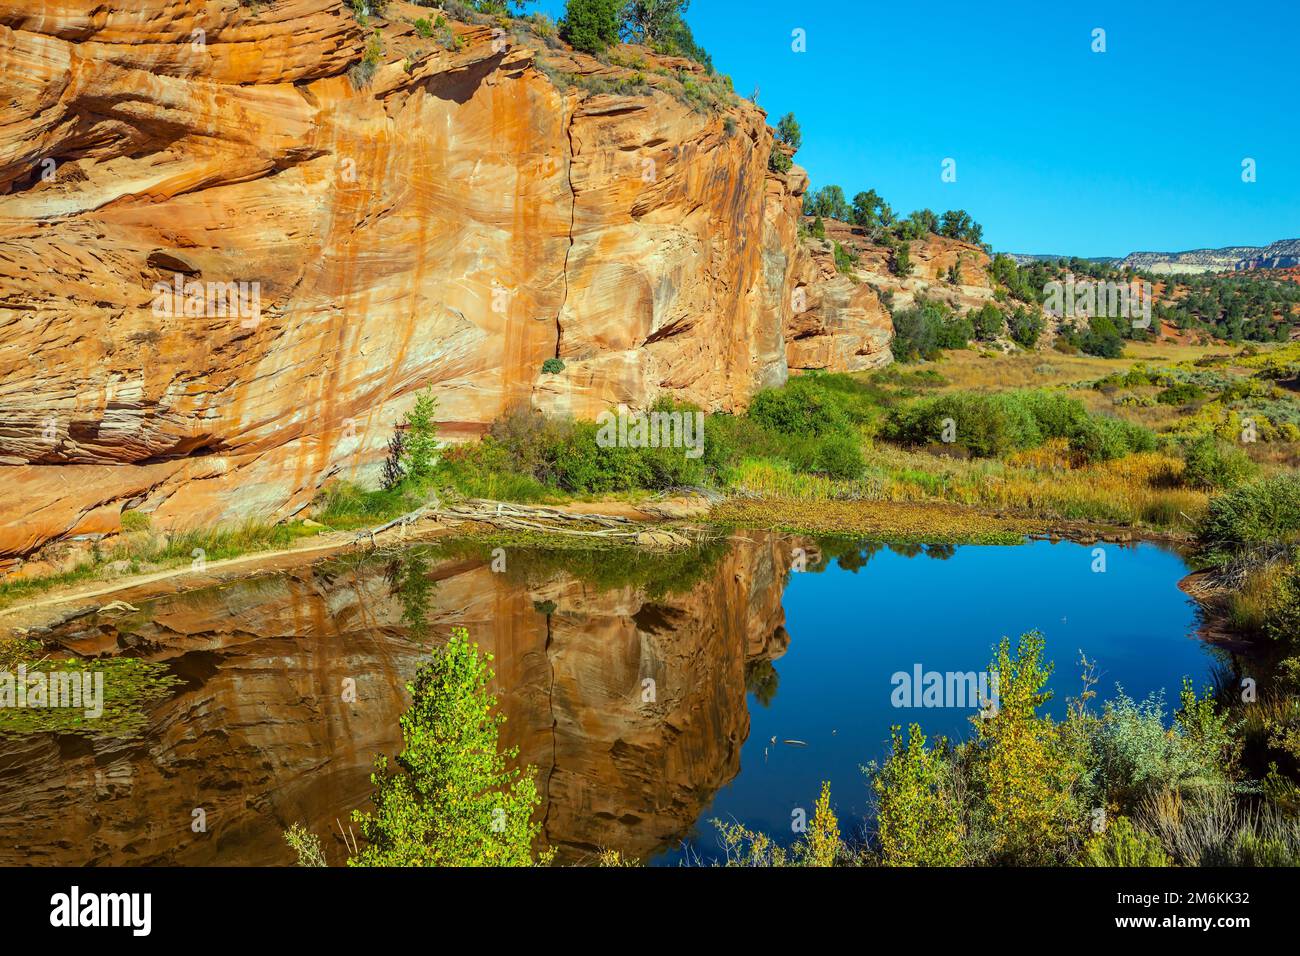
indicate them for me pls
(646, 693)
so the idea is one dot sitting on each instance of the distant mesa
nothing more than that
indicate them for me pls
(1283, 254)
(1025, 258)
(1191, 261)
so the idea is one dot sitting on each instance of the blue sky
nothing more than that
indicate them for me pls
(1058, 149)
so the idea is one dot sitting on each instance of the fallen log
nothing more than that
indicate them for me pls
(481, 509)
(537, 518)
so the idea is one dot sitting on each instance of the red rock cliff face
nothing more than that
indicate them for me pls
(452, 223)
(931, 259)
(836, 321)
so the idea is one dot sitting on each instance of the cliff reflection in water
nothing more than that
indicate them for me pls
(260, 735)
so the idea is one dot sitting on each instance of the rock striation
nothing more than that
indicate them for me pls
(236, 239)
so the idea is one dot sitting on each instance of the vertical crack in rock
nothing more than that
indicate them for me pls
(263, 172)
(573, 215)
(550, 703)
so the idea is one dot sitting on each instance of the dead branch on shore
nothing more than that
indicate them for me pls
(403, 520)
(508, 516)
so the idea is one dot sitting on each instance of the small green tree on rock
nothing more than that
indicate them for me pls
(987, 321)
(900, 259)
(419, 446)
(590, 25)
(788, 132)
(652, 22)
(778, 160)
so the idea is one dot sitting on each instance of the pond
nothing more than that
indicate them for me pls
(653, 693)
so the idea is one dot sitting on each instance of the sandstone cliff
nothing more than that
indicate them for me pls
(483, 202)
(837, 321)
(931, 259)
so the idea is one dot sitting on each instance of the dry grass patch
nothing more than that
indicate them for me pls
(1139, 490)
(967, 369)
(886, 521)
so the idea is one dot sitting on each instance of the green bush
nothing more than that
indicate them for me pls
(990, 425)
(916, 335)
(1122, 844)
(731, 438)
(1180, 393)
(1104, 439)
(1025, 326)
(526, 453)
(591, 25)
(1136, 377)
(1260, 516)
(456, 801)
(1094, 437)
(839, 456)
(986, 425)
(1057, 415)
(799, 408)
(553, 366)
(1282, 613)
(918, 818)
(1134, 755)
(987, 321)
(844, 260)
(1212, 463)
(1207, 731)
(954, 332)
(1102, 338)
(925, 328)
(582, 465)
(815, 423)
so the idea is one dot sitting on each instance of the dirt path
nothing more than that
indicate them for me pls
(82, 592)
(63, 602)
(60, 603)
